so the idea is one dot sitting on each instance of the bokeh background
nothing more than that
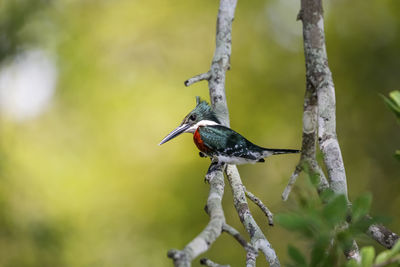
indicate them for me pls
(88, 89)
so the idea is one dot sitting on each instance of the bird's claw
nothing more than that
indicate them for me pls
(215, 165)
(202, 155)
(207, 178)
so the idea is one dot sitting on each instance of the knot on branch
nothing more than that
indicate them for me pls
(179, 257)
(300, 15)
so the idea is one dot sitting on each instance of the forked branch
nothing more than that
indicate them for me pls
(213, 230)
(319, 117)
(261, 205)
(216, 83)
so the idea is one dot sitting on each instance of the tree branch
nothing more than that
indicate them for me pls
(309, 138)
(221, 60)
(220, 64)
(198, 78)
(257, 238)
(210, 263)
(235, 233)
(319, 76)
(319, 110)
(383, 235)
(251, 254)
(212, 231)
(216, 83)
(261, 205)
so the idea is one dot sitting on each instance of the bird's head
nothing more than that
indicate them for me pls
(201, 115)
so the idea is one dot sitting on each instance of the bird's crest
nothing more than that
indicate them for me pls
(203, 108)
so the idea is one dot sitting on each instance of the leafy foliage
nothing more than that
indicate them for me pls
(389, 258)
(393, 102)
(330, 226)
(91, 159)
(14, 16)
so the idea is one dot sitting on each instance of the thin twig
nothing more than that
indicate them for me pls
(235, 233)
(261, 205)
(201, 77)
(210, 263)
(251, 254)
(257, 237)
(292, 180)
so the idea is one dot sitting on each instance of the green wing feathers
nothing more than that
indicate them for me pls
(224, 141)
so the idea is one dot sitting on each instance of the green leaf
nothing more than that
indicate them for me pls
(360, 226)
(296, 256)
(299, 223)
(318, 253)
(327, 195)
(361, 206)
(390, 102)
(367, 256)
(395, 97)
(396, 248)
(397, 154)
(388, 254)
(335, 211)
(352, 263)
(345, 239)
(314, 177)
(393, 102)
(382, 257)
(291, 221)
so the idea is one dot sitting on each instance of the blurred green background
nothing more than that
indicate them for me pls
(88, 89)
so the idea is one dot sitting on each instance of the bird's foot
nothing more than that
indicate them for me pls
(214, 166)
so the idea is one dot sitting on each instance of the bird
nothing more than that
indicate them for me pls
(218, 142)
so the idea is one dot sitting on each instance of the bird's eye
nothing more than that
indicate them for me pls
(192, 117)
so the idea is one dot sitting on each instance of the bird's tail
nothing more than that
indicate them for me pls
(272, 151)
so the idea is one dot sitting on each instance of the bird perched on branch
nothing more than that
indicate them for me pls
(220, 143)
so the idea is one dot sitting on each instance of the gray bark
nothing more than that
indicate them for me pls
(216, 83)
(212, 231)
(383, 235)
(257, 238)
(320, 109)
(319, 117)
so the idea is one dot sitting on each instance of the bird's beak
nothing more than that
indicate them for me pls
(180, 129)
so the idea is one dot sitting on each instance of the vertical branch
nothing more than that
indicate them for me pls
(216, 83)
(320, 112)
(221, 60)
(319, 76)
(310, 13)
(316, 69)
(220, 64)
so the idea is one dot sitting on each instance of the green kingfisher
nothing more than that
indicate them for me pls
(220, 143)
